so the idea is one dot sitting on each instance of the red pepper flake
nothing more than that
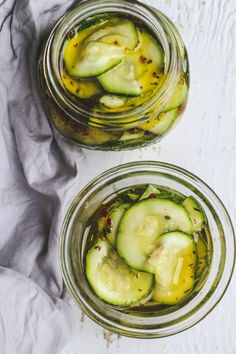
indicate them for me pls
(71, 82)
(115, 42)
(154, 74)
(109, 222)
(97, 248)
(149, 61)
(152, 195)
(75, 45)
(103, 211)
(142, 59)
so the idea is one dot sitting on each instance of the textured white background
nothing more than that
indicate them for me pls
(204, 142)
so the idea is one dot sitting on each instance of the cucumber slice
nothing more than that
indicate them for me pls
(174, 263)
(84, 88)
(161, 123)
(96, 58)
(179, 97)
(125, 28)
(121, 80)
(195, 212)
(149, 191)
(113, 221)
(143, 223)
(112, 279)
(112, 101)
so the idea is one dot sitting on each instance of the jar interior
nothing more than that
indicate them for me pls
(149, 20)
(154, 317)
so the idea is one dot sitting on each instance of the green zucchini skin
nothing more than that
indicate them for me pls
(112, 279)
(195, 212)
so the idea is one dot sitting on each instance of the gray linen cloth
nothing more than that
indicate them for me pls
(39, 174)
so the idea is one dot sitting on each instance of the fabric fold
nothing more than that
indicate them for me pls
(40, 174)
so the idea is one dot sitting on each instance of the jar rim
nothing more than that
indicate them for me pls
(220, 272)
(157, 23)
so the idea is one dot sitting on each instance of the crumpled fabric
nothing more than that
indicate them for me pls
(39, 176)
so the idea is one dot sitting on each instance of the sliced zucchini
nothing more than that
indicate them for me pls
(179, 97)
(174, 263)
(95, 22)
(113, 220)
(202, 256)
(72, 49)
(112, 101)
(131, 135)
(96, 58)
(124, 31)
(195, 212)
(148, 62)
(88, 136)
(82, 88)
(96, 136)
(149, 191)
(121, 80)
(112, 279)
(116, 39)
(133, 196)
(143, 223)
(161, 123)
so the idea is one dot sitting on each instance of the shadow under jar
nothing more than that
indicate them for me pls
(114, 75)
(196, 254)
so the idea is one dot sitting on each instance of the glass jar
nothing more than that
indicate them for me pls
(173, 319)
(144, 121)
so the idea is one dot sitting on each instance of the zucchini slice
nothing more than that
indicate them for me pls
(148, 61)
(195, 212)
(124, 31)
(113, 220)
(95, 58)
(202, 256)
(179, 97)
(113, 101)
(121, 80)
(116, 39)
(133, 134)
(82, 88)
(149, 192)
(161, 123)
(143, 223)
(174, 263)
(112, 279)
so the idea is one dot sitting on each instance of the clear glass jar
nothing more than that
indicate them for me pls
(141, 124)
(207, 292)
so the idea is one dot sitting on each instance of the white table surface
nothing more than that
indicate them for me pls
(204, 142)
